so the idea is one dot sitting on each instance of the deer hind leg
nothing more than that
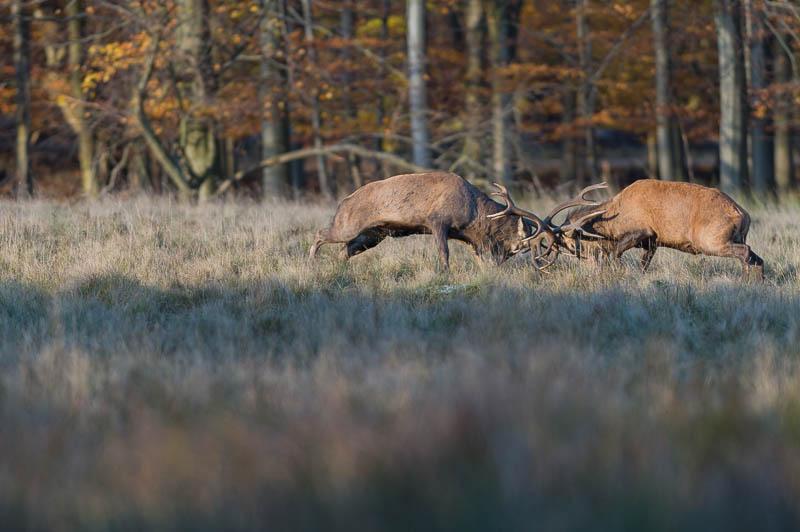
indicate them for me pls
(331, 235)
(363, 242)
(757, 263)
(323, 237)
(745, 256)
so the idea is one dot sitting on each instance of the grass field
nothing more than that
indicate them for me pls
(181, 368)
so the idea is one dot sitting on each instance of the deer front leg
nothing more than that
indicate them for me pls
(439, 232)
(628, 241)
(649, 250)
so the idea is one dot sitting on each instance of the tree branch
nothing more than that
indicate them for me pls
(618, 46)
(351, 149)
(151, 139)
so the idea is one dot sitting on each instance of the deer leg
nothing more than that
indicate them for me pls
(478, 257)
(323, 237)
(649, 250)
(749, 260)
(628, 241)
(439, 232)
(362, 242)
(757, 263)
(745, 256)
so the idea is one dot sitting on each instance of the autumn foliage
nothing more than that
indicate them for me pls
(223, 80)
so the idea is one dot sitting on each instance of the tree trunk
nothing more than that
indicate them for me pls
(667, 133)
(782, 117)
(586, 94)
(322, 173)
(497, 20)
(22, 68)
(74, 11)
(472, 100)
(652, 154)
(272, 92)
(297, 177)
(347, 23)
(733, 175)
(197, 140)
(416, 82)
(569, 172)
(762, 142)
(381, 114)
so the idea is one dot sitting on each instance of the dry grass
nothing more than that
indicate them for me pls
(170, 367)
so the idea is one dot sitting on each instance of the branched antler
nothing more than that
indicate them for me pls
(546, 228)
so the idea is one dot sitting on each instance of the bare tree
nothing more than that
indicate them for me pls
(733, 173)
(347, 21)
(761, 141)
(472, 104)
(418, 100)
(75, 17)
(667, 137)
(22, 68)
(586, 93)
(197, 139)
(783, 153)
(497, 14)
(316, 125)
(272, 91)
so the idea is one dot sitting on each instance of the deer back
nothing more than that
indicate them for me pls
(410, 200)
(676, 212)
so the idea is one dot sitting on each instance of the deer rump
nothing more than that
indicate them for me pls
(437, 203)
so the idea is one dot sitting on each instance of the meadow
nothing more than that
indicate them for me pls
(175, 367)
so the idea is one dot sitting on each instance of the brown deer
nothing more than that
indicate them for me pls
(437, 203)
(648, 214)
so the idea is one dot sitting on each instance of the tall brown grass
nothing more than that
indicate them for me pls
(180, 368)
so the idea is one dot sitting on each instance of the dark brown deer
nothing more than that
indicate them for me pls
(649, 214)
(437, 203)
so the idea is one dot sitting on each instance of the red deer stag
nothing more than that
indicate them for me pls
(438, 203)
(651, 213)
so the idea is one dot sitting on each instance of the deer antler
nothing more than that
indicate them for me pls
(511, 208)
(577, 225)
(541, 227)
(578, 201)
(551, 248)
(545, 228)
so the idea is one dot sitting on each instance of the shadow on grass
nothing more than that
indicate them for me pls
(115, 314)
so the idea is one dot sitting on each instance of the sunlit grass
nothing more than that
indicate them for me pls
(177, 367)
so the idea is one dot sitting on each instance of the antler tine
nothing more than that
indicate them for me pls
(551, 248)
(509, 202)
(579, 200)
(578, 224)
(511, 208)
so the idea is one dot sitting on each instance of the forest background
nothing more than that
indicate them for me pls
(300, 99)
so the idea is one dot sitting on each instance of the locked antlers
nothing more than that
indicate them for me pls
(546, 228)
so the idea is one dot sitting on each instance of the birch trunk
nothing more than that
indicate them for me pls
(418, 101)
